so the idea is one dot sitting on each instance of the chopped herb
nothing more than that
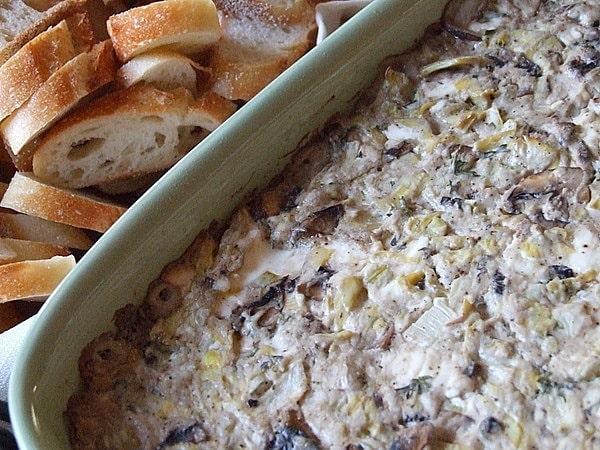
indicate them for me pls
(464, 167)
(503, 148)
(547, 385)
(463, 160)
(415, 387)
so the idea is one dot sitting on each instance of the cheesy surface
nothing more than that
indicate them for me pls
(425, 274)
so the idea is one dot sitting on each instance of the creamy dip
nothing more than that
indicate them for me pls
(425, 274)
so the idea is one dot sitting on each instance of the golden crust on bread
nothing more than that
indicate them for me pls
(78, 78)
(126, 133)
(22, 226)
(52, 16)
(186, 26)
(260, 40)
(32, 65)
(33, 280)
(28, 195)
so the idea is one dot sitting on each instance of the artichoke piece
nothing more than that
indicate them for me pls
(426, 329)
(351, 295)
(452, 63)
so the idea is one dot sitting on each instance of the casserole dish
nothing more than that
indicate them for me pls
(240, 156)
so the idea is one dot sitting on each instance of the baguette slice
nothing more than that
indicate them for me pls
(15, 250)
(29, 228)
(186, 26)
(33, 64)
(164, 69)
(20, 23)
(260, 40)
(125, 133)
(77, 79)
(33, 280)
(27, 195)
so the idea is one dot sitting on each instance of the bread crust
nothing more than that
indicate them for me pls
(260, 40)
(32, 65)
(14, 250)
(33, 280)
(30, 196)
(153, 128)
(186, 26)
(78, 78)
(52, 16)
(22, 226)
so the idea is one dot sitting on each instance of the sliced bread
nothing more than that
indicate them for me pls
(14, 250)
(33, 280)
(26, 194)
(33, 64)
(165, 69)
(186, 26)
(260, 40)
(21, 23)
(74, 81)
(125, 133)
(29, 228)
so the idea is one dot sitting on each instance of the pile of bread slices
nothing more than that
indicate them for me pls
(99, 97)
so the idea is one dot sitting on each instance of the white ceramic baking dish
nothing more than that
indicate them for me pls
(241, 155)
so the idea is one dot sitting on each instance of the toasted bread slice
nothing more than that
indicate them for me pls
(26, 194)
(33, 280)
(260, 40)
(186, 26)
(33, 64)
(29, 228)
(125, 133)
(77, 79)
(164, 69)
(21, 24)
(14, 250)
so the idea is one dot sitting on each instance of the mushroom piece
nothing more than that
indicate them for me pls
(545, 197)
(321, 223)
(459, 14)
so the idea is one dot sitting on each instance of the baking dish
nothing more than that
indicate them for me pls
(242, 155)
